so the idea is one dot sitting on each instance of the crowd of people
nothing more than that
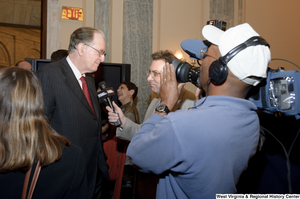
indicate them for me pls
(185, 147)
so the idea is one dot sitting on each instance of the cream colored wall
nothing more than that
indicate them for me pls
(68, 26)
(116, 29)
(278, 22)
(175, 21)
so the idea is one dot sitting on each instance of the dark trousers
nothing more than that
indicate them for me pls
(99, 185)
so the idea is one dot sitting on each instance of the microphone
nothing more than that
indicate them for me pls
(104, 94)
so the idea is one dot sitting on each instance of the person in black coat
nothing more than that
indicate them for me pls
(67, 107)
(26, 138)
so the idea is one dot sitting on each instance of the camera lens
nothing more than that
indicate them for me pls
(186, 73)
(182, 70)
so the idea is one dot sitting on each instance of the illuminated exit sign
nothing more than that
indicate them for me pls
(72, 13)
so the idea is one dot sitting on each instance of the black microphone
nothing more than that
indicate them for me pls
(104, 94)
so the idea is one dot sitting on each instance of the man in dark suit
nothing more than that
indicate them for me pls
(67, 107)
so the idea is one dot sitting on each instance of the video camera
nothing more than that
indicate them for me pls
(184, 71)
(195, 48)
(279, 92)
(218, 23)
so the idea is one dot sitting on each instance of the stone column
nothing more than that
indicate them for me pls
(54, 12)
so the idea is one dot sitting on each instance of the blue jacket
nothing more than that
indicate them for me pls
(200, 152)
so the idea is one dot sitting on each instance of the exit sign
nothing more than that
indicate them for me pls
(72, 13)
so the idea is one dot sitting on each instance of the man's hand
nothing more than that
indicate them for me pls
(169, 92)
(113, 117)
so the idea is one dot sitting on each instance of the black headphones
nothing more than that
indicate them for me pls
(218, 70)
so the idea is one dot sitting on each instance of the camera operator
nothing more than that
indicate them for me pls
(203, 151)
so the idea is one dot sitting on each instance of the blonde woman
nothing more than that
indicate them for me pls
(26, 137)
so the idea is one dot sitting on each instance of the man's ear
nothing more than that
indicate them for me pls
(81, 48)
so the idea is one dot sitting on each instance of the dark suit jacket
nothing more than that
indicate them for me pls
(65, 178)
(71, 116)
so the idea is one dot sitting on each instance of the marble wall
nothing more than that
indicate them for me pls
(224, 11)
(54, 10)
(138, 25)
(102, 16)
(137, 42)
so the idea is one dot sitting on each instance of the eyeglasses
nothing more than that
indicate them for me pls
(101, 53)
(203, 54)
(153, 73)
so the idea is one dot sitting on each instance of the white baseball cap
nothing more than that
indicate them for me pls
(252, 61)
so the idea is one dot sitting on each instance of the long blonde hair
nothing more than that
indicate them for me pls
(25, 135)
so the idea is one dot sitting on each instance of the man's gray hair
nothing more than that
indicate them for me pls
(83, 35)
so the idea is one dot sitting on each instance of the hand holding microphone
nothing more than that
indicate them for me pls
(103, 94)
(116, 114)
